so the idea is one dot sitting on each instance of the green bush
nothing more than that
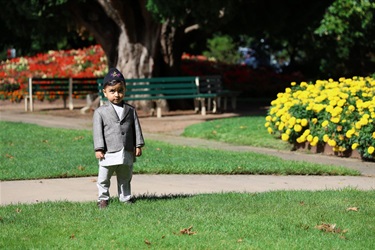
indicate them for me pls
(222, 49)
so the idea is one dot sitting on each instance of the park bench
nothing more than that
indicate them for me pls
(66, 88)
(214, 85)
(163, 88)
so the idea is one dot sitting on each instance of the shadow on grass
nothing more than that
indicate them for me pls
(154, 197)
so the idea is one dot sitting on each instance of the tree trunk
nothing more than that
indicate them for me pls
(91, 17)
(133, 41)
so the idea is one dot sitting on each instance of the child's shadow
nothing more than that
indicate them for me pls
(154, 197)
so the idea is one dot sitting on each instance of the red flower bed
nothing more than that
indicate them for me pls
(92, 62)
(88, 62)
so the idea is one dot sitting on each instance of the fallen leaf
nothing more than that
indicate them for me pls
(239, 240)
(352, 209)
(79, 138)
(72, 236)
(147, 242)
(187, 231)
(18, 210)
(9, 156)
(45, 141)
(302, 203)
(82, 168)
(326, 227)
(330, 228)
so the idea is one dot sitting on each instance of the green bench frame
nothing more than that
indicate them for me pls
(214, 84)
(66, 88)
(201, 89)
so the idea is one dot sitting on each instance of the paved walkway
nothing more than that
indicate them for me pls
(84, 189)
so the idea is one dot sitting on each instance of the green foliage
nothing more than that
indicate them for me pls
(185, 12)
(222, 49)
(345, 38)
(38, 26)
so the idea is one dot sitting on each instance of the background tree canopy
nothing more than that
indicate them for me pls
(147, 37)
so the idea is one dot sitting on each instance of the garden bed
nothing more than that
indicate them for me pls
(328, 116)
(325, 149)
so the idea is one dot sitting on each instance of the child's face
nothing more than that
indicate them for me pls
(115, 93)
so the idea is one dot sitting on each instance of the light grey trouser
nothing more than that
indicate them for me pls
(124, 175)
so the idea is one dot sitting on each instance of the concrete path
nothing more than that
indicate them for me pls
(84, 189)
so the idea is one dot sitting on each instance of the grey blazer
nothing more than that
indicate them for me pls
(111, 133)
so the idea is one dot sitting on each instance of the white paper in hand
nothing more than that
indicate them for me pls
(113, 158)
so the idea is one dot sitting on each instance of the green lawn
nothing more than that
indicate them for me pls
(273, 220)
(247, 130)
(32, 152)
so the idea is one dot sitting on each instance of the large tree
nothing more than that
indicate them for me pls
(37, 26)
(145, 38)
(128, 33)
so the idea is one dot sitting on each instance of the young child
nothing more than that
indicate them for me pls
(117, 139)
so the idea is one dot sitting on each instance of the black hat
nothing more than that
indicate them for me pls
(113, 74)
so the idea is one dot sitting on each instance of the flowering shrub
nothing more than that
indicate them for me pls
(338, 113)
(80, 63)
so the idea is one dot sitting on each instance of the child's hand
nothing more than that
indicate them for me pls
(99, 154)
(138, 152)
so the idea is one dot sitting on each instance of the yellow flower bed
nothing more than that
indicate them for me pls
(338, 113)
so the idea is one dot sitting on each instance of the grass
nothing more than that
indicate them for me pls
(33, 152)
(247, 130)
(272, 220)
